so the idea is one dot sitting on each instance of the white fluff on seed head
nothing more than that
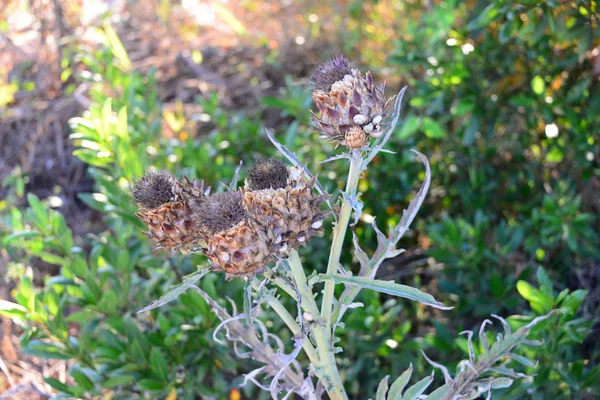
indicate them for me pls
(317, 224)
(377, 119)
(368, 128)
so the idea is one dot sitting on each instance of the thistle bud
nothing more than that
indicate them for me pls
(153, 190)
(348, 101)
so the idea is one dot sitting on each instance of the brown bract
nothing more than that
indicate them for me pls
(171, 226)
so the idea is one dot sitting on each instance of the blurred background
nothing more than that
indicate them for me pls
(503, 97)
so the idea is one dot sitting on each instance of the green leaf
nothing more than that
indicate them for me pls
(151, 384)
(114, 44)
(388, 287)
(382, 388)
(159, 364)
(52, 258)
(413, 392)
(409, 127)
(82, 379)
(439, 393)
(488, 14)
(433, 129)
(545, 282)
(188, 281)
(399, 384)
(42, 219)
(23, 235)
(58, 385)
(50, 350)
(118, 381)
(538, 300)
(573, 301)
(12, 310)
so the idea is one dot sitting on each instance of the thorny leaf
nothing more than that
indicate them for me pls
(445, 372)
(356, 205)
(469, 344)
(469, 383)
(188, 282)
(294, 160)
(483, 337)
(261, 351)
(285, 360)
(388, 287)
(338, 157)
(362, 257)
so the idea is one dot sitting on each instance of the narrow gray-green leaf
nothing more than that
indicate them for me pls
(413, 392)
(399, 384)
(388, 287)
(188, 281)
(501, 383)
(382, 388)
(522, 360)
(439, 393)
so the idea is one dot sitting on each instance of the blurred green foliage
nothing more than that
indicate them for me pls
(500, 99)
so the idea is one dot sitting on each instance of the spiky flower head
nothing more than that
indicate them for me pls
(153, 190)
(267, 173)
(330, 72)
(169, 208)
(240, 231)
(347, 101)
(292, 212)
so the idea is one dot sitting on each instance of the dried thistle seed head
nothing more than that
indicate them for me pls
(288, 217)
(241, 250)
(330, 72)
(153, 190)
(267, 173)
(351, 102)
(170, 226)
(221, 211)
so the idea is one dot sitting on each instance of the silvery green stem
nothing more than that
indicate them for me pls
(320, 331)
(291, 323)
(339, 234)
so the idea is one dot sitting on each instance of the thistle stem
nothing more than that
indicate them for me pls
(321, 332)
(291, 323)
(339, 234)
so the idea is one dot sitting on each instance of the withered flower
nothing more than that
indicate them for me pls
(171, 219)
(221, 211)
(153, 190)
(267, 173)
(351, 107)
(292, 212)
(240, 231)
